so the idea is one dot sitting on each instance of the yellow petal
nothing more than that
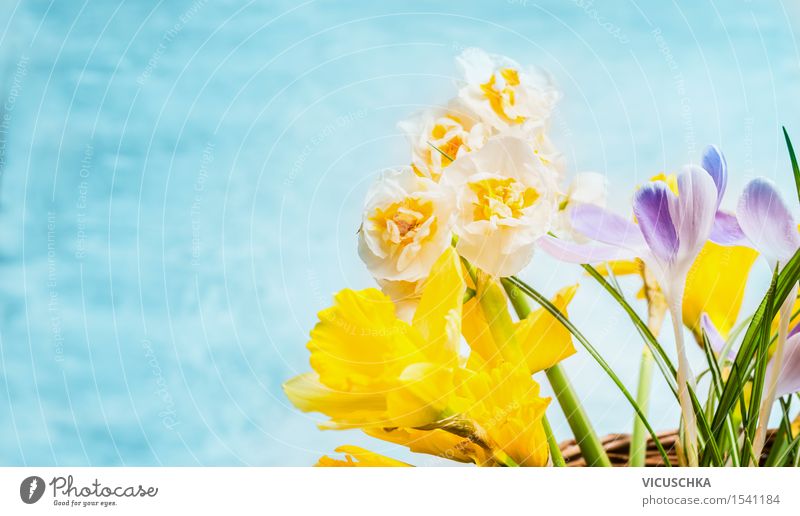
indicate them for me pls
(794, 321)
(422, 396)
(348, 409)
(360, 342)
(504, 403)
(356, 457)
(372, 369)
(670, 179)
(478, 336)
(543, 339)
(438, 315)
(715, 285)
(620, 267)
(433, 442)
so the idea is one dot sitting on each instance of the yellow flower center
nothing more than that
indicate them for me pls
(444, 144)
(501, 198)
(502, 94)
(402, 220)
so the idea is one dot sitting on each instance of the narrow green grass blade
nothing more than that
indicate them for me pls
(793, 158)
(787, 453)
(717, 384)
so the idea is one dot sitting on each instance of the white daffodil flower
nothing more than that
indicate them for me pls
(438, 136)
(407, 224)
(501, 93)
(506, 198)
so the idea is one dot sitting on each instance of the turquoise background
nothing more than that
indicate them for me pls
(182, 183)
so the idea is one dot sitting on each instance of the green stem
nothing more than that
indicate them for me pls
(590, 445)
(555, 451)
(639, 436)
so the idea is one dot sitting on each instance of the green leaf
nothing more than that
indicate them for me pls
(760, 367)
(744, 362)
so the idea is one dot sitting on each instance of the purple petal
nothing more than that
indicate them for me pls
(726, 230)
(794, 331)
(714, 163)
(651, 207)
(789, 379)
(714, 338)
(572, 252)
(767, 222)
(604, 226)
(693, 211)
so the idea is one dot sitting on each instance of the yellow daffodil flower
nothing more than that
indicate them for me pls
(372, 369)
(355, 457)
(542, 339)
(715, 285)
(505, 405)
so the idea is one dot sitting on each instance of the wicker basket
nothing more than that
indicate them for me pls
(617, 447)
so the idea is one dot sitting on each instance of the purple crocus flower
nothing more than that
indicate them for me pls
(764, 222)
(671, 231)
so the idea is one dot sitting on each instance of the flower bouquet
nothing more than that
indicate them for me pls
(435, 361)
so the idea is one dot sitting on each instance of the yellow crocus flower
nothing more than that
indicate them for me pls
(355, 457)
(372, 369)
